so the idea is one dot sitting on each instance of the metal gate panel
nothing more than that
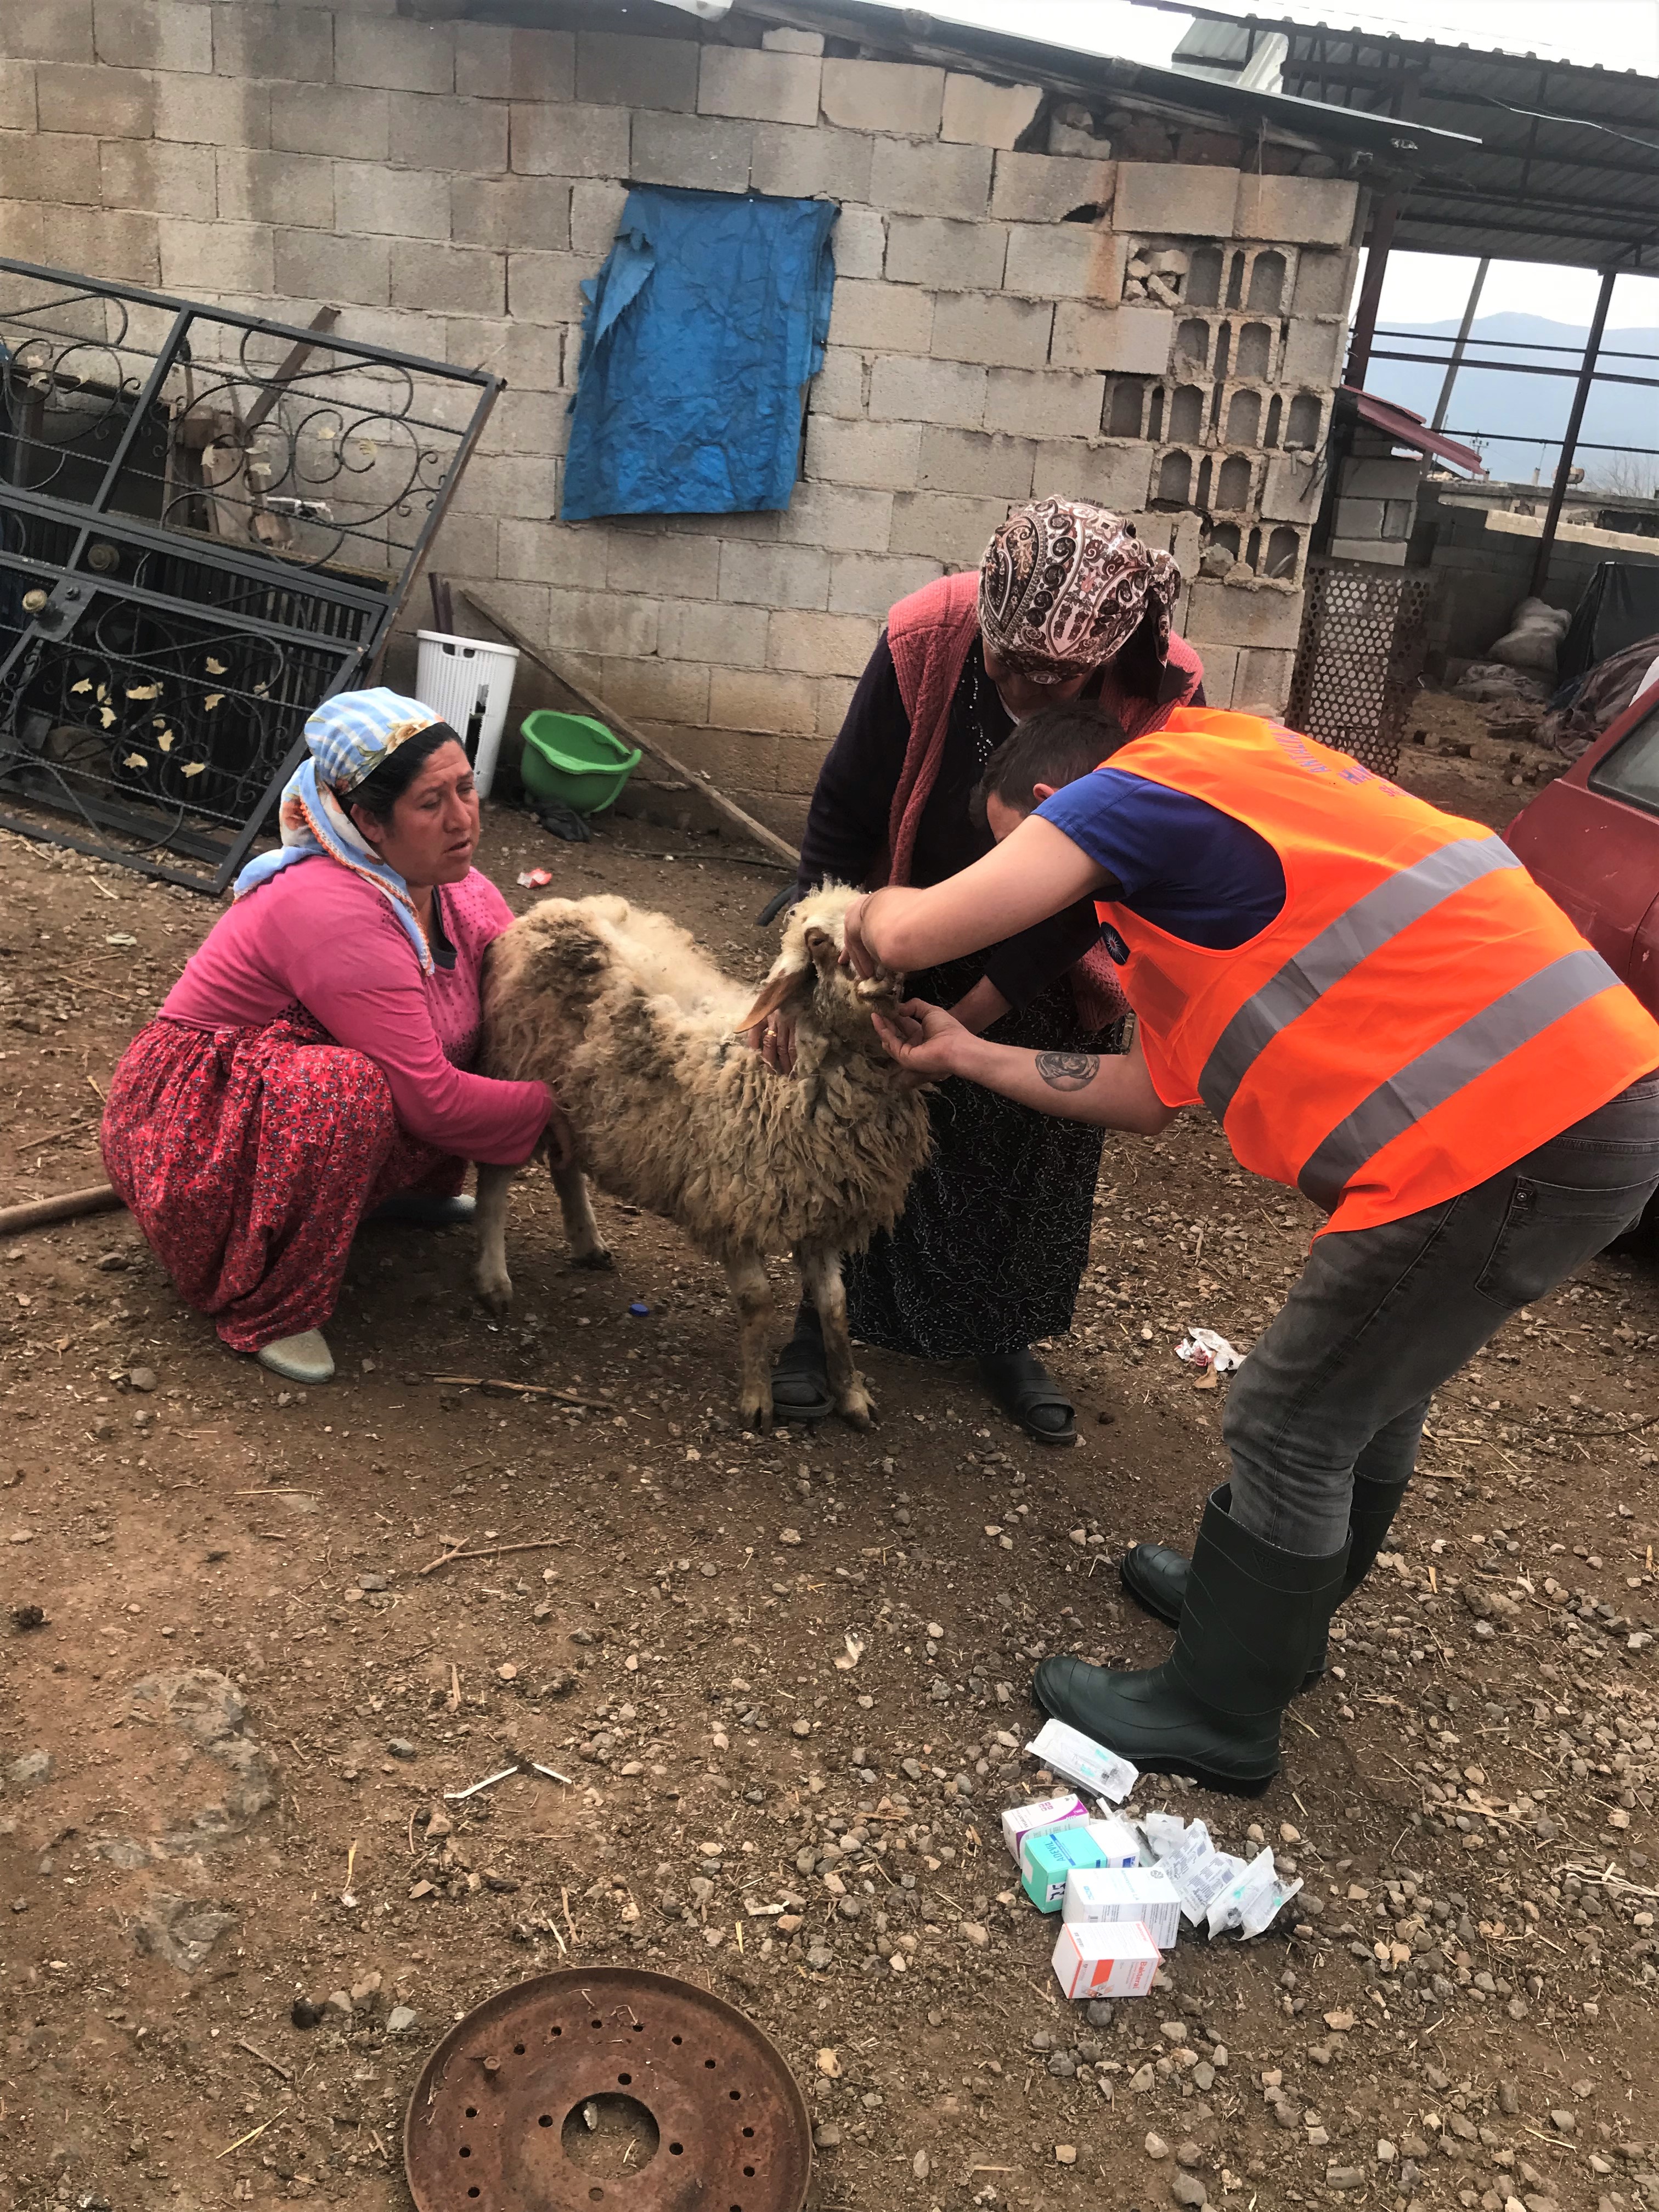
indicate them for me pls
(1358, 658)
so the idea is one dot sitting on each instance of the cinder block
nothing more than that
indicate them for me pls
(376, 201)
(598, 622)
(870, 583)
(1044, 403)
(1220, 668)
(17, 104)
(907, 388)
(726, 635)
(310, 265)
(800, 761)
(1181, 197)
(447, 280)
(662, 567)
(596, 206)
(859, 241)
(349, 120)
(977, 114)
(1324, 282)
(216, 257)
(398, 56)
(500, 61)
(1112, 475)
(834, 697)
(820, 645)
(553, 552)
(743, 763)
(512, 485)
(711, 153)
(977, 462)
(1048, 187)
(47, 31)
(96, 103)
(158, 178)
(509, 211)
(23, 226)
(165, 34)
(450, 135)
(772, 576)
(1066, 260)
(217, 111)
(545, 287)
(530, 358)
(760, 699)
(657, 690)
(250, 39)
(1241, 614)
(616, 69)
(1398, 516)
(900, 97)
(945, 526)
(1359, 518)
(1263, 679)
(525, 603)
(256, 186)
(1382, 479)
(764, 86)
(910, 179)
(838, 388)
(1313, 353)
(884, 456)
(466, 546)
(885, 318)
(984, 327)
(1307, 210)
(1293, 488)
(837, 517)
(571, 140)
(816, 164)
(784, 40)
(49, 165)
(1130, 340)
(956, 257)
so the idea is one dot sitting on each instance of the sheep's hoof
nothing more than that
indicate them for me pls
(755, 1413)
(858, 1408)
(601, 1259)
(495, 1291)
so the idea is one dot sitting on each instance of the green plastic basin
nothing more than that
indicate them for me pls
(574, 759)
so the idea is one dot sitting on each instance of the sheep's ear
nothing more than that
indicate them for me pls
(780, 985)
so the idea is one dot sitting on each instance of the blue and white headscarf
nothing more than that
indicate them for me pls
(349, 737)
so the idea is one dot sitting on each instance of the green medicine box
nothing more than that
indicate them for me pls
(1048, 1856)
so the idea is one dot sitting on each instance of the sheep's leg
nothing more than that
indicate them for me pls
(588, 1248)
(820, 1274)
(751, 1294)
(489, 1276)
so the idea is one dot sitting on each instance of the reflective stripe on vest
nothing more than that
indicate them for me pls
(1340, 947)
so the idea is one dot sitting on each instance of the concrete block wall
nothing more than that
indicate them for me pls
(1375, 500)
(1008, 322)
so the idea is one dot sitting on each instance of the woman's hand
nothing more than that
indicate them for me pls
(926, 1040)
(773, 1039)
(558, 1136)
(857, 954)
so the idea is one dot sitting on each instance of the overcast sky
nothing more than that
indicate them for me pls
(1420, 288)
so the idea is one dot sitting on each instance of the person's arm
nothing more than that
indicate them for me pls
(1036, 872)
(1114, 1091)
(1023, 967)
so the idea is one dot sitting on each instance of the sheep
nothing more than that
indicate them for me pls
(640, 1036)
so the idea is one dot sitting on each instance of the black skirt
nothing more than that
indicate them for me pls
(991, 1248)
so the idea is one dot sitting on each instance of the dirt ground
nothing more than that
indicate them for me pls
(227, 1746)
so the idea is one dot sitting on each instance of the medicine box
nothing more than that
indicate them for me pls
(1082, 1762)
(1117, 1842)
(1105, 1958)
(1047, 1859)
(1022, 1820)
(1097, 1894)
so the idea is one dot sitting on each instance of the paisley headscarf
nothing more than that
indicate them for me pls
(349, 737)
(1064, 585)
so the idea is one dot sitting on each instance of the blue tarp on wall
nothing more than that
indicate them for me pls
(702, 329)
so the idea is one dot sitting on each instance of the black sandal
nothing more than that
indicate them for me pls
(800, 1374)
(1024, 1388)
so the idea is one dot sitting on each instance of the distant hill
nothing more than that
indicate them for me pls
(1510, 412)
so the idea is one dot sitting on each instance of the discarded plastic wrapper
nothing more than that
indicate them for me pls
(1089, 1764)
(534, 879)
(1022, 1820)
(1116, 1841)
(1143, 1893)
(1208, 1347)
(1251, 1903)
(1047, 1859)
(1199, 1871)
(1105, 1958)
(1165, 1833)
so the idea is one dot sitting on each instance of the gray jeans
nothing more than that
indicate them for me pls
(1337, 1388)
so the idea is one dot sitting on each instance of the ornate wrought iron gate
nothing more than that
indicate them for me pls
(1359, 656)
(208, 523)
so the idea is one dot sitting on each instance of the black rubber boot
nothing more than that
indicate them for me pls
(1155, 1577)
(800, 1374)
(1253, 1615)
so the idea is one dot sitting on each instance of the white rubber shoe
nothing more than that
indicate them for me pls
(302, 1358)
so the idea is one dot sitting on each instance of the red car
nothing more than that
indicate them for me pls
(1591, 839)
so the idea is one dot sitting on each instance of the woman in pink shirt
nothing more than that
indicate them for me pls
(311, 1066)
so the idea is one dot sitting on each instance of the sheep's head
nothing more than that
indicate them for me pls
(809, 983)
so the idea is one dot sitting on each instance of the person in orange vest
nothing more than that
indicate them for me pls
(1384, 1011)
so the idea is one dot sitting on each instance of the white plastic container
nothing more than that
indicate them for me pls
(469, 682)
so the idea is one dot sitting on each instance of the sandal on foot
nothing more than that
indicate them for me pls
(302, 1358)
(420, 1210)
(1027, 1393)
(800, 1375)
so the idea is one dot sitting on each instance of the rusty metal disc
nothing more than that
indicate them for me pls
(607, 2090)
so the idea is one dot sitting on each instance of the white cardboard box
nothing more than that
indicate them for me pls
(1105, 1958)
(1117, 1842)
(1022, 1820)
(1095, 1894)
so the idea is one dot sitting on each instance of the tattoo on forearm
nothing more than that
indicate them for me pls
(1067, 1071)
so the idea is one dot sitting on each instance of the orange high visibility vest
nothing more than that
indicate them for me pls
(1417, 1016)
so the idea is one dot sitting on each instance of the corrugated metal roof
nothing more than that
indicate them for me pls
(1567, 166)
(1408, 429)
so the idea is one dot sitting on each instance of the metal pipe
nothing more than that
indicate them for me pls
(1370, 291)
(1540, 566)
(1460, 342)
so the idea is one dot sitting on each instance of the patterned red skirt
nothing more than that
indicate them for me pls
(249, 1156)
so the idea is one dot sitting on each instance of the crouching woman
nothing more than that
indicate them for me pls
(311, 1066)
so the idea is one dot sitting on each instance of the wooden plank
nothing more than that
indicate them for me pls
(562, 673)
